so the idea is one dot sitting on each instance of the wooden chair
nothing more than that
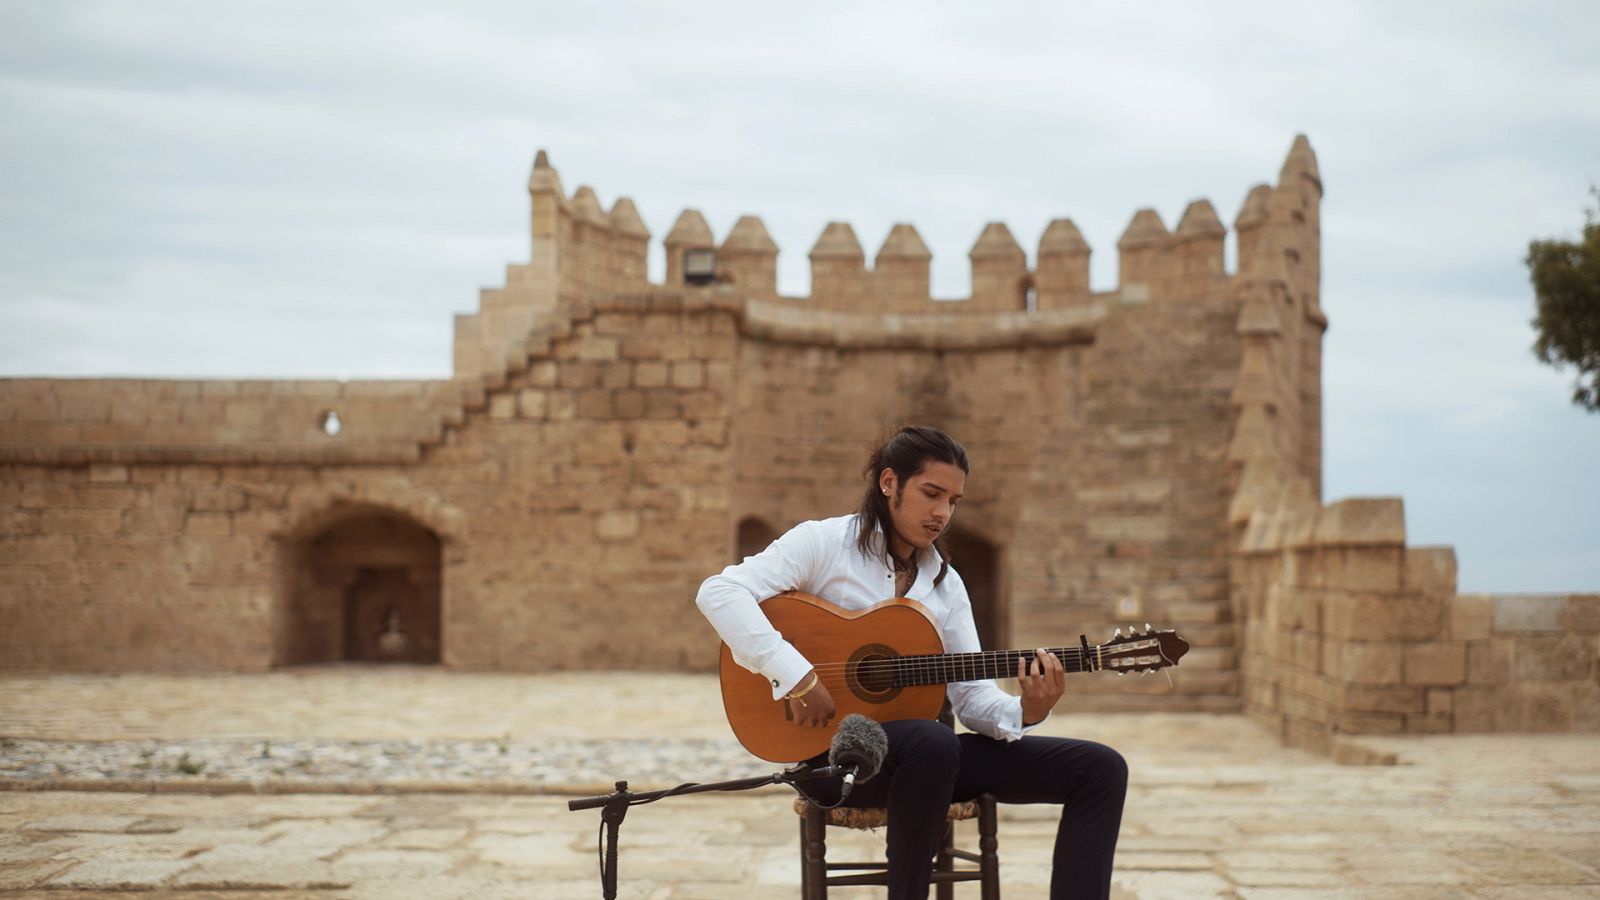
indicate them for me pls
(814, 865)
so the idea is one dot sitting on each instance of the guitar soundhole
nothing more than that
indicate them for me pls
(870, 673)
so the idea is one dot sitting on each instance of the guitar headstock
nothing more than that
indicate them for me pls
(1144, 651)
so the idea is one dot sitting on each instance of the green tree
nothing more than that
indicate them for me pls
(1566, 291)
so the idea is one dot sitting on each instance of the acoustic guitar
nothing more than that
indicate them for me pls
(887, 663)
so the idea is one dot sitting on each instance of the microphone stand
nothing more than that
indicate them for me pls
(614, 807)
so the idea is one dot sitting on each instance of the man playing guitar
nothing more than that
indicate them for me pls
(916, 479)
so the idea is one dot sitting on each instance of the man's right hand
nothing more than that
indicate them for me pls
(815, 708)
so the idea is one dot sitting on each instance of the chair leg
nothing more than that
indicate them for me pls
(813, 855)
(944, 862)
(988, 846)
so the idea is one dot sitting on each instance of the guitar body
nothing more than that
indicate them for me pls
(843, 646)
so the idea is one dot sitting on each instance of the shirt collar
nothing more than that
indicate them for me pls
(928, 563)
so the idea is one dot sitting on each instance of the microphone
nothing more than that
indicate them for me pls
(858, 748)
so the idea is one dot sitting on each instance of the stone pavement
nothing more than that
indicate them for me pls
(1216, 808)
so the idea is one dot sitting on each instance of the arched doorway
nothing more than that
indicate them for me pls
(364, 585)
(753, 537)
(978, 561)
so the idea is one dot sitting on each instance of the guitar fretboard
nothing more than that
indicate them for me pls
(943, 668)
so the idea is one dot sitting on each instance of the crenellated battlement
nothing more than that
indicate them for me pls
(579, 249)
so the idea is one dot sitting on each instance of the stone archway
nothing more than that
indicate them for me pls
(753, 537)
(364, 585)
(978, 561)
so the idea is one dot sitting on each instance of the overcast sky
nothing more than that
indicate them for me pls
(312, 189)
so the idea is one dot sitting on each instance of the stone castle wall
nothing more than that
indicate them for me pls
(1149, 453)
(1351, 631)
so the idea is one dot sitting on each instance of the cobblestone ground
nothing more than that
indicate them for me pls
(1216, 808)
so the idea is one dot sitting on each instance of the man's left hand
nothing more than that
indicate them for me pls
(1043, 681)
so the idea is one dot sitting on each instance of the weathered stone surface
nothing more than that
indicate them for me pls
(1563, 658)
(1215, 806)
(1371, 662)
(1443, 663)
(1471, 617)
(1360, 521)
(1529, 612)
(119, 874)
(1489, 662)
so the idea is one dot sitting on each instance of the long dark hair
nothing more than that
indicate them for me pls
(908, 452)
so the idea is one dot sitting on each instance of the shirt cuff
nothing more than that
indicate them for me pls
(1010, 724)
(785, 669)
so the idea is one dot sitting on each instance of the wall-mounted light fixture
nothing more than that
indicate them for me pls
(699, 265)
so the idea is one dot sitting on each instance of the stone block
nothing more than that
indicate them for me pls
(544, 374)
(199, 475)
(594, 404)
(1371, 616)
(1362, 521)
(1538, 706)
(641, 348)
(1431, 570)
(503, 406)
(1369, 569)
(1489, 662)
(217, 498)
(1443, 662)
(83, 522)
(1566, 657)
(1306, 650)
(617, 525)
(629, 404)
(561, 406)
(1475, 708)
(1354, 722)
(579, 375)
(1441, 701)
(688, 374)
(616, 375)
(532, 403)
(651, 374)
(1371, 662)
(598, 349)
(1383, 698)
(102, 473)
(208, 524)
(1583, 612)
(1586, 706)
(1529, 612)
(1471, 617)
(1332, 656)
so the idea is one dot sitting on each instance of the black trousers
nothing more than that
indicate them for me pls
(929, 766)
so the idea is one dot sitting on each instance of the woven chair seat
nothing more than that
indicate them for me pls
(877, 816)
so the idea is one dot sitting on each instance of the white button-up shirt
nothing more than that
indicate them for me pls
(822, 558)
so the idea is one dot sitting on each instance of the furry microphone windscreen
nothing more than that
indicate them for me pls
(859, 742)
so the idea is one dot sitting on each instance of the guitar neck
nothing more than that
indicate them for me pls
(943, 668)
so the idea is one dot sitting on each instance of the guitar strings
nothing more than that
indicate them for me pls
(952, 661)
(953, 667)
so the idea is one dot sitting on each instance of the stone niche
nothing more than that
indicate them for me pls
(363, 586)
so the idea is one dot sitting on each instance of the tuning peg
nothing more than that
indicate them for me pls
(1148, 629)
(1122, 671)
(1117, 633)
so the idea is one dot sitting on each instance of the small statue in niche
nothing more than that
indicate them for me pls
(393, 642)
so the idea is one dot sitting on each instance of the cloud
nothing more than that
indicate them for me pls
(298, 189)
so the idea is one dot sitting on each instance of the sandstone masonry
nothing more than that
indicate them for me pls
(1149, 452)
